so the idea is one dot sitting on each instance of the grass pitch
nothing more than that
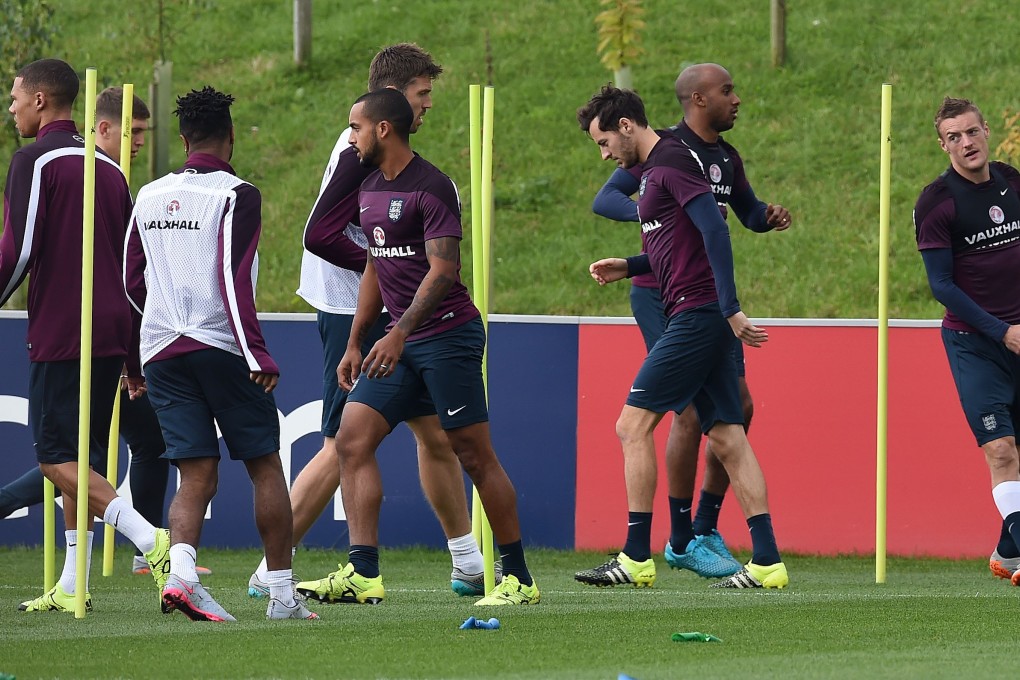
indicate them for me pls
(934, 618)
(809, 132)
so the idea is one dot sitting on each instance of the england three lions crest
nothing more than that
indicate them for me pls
(396, 209)
(989, 422)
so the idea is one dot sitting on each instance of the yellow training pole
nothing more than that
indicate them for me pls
(85, 384)
(881, 481)
(127, 117)
(487, 118)
(113, 444)
(488, 106)
(49, 536)
(475, 136)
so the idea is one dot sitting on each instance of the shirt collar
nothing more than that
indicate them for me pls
(56, 126)
(207, 160)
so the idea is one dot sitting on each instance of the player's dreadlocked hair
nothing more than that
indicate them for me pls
(204, 115)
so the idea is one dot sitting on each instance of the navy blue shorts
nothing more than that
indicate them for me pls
(195, 392)
(691, 362)
(53, 408)
(987, 376)
(140, 428)
(646, 305)
(335, 330)
(440, 374)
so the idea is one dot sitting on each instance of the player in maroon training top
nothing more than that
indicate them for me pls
(686, 242)
(43, 201)
(968, 232)
(710, 104)
(428, 364)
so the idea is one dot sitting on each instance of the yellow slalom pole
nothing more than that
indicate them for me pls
(127, 117)
(113, 444)
(488, 107)
(85, 383)
(881, 481)
(475, 135)
(49, 536)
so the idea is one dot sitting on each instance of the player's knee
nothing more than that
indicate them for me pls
(636, 424)
(1001, 454)
(437, 453)
(725, 440)
(201, 487)
(353, 450)
(748, 407)
(477, 458)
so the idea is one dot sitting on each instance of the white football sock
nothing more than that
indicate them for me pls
(125, 519)
(263, 568)
(466, 555)
(183, 558)
(67, 581)
(1007, 498)
(281, 586)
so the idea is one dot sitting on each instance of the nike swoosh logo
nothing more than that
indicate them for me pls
(361, 210)
(686, 509)
(1003, 192)
(636, 389)
(455, 411)
(630, 524)
(725, 160)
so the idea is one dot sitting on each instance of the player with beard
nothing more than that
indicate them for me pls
(428, 364)
(331, 267)
(686, 242)
(710, 104)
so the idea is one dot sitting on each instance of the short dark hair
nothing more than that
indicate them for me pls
(204, 115)
(951, 108)
(110, 105)
(609, 105)
(54, 77)
(389, 105)
(397, 65)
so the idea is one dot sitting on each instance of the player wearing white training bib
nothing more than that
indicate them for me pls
(203, 208)
(190, 267)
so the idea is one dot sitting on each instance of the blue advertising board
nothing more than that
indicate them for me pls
(533, 410)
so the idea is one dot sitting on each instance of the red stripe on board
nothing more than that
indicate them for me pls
(814, 390)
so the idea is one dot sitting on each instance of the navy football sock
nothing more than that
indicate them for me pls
(1009, 539)
(707, 517)
(639, 536)
(365, 559)
(512, 556)
(681, 532)
(763, 541)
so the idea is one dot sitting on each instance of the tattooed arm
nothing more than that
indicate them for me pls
(444, 257)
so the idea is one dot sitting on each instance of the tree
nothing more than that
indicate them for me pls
(1009, 149)
(619, 37)
(25, 34)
